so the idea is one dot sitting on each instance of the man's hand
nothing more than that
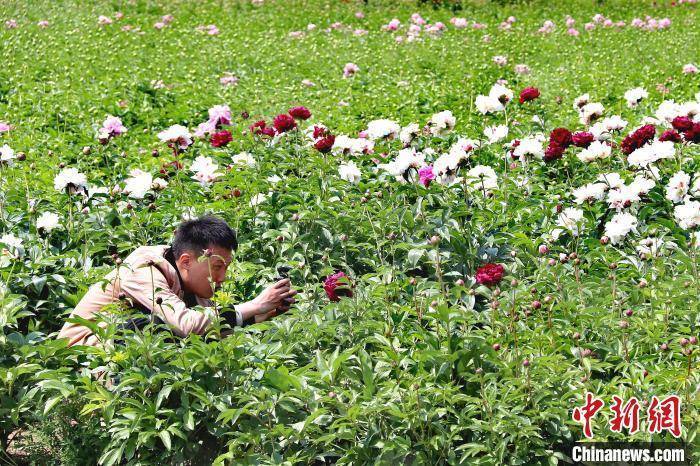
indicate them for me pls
(274, 300)
(275, 296)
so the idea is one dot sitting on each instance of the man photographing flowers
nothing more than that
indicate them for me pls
(166, 282)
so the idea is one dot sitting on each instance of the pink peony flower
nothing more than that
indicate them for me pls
(103, 20)
(43, 23)
(112, 127)
(4, 127)
(426, 175)
(570, 22)
(690, 69)
(118, 15)
(416, 18)
(337, 285)
(459, 23)
(521, 68)
(572, 32)
(307, 83)
(159, 25)
(228, 79)
(359, 15)
(220, 115)
(393, 25)
(589, 26)
(350, 69)
(11, 24)
(167, 19)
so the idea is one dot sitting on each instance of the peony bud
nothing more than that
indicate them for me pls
(87, 150)
(624, 324)
(536, 304)
(434, 240)
(459, 282)
(526, 363)
(543, 249)
(496, 347)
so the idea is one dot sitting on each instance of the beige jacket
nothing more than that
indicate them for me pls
(134, 279)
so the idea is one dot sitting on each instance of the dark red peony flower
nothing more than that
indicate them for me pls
(582, 139)
(269, 132)
(258, 127)
(284, 122)
(561, 137)
(513, 145)
(528, 94)
(682, 124)
(670, 135)
(637, 139)
(300, 113)
(693, 134)
(553, 152)
(337, 285)
(489, 274)
(320, 131)
(221, 138)
(324, 145)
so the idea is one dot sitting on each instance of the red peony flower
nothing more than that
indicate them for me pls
(284, 122)
(554, 151)
(258, 127)
(693, 134)
(682, 124)
(319, 132)
(489, 274)
(670, 135)
(300, 113)
(269, 131)
(337, 285)
(221, 138)
(637, 139)
(528, 94)
(324, 145)
(561, 137)
(582, 139)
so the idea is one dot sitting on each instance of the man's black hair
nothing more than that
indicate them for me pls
(202, 233)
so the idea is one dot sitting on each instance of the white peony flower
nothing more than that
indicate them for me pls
(70, 180)
(688, 214)
(634, 96)
(597, 150)
(407, 158)
(244, 158)
(205, 170)
(651, 247)
(486, 104)
(529, 147)
(7, 155)
(612, 180)
(642, 185)
(257, 199)
(409, 133)
(677, 187)
(47, 222)
(482, 177)
(651, 152)
(378, 129)
(619, 226)
(349, 172)
(589, 192)
(590, 112)
(571, 219)
(138, 184)
(622, 197)
(667, 111)
(501, 93)
(496, 133)
(441, 123)
(11, 241)
(176, 134)
(159, 184)
(581, 100)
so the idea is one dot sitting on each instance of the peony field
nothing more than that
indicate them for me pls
(490, 211)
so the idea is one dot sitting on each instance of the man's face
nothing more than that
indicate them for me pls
(202, 275)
